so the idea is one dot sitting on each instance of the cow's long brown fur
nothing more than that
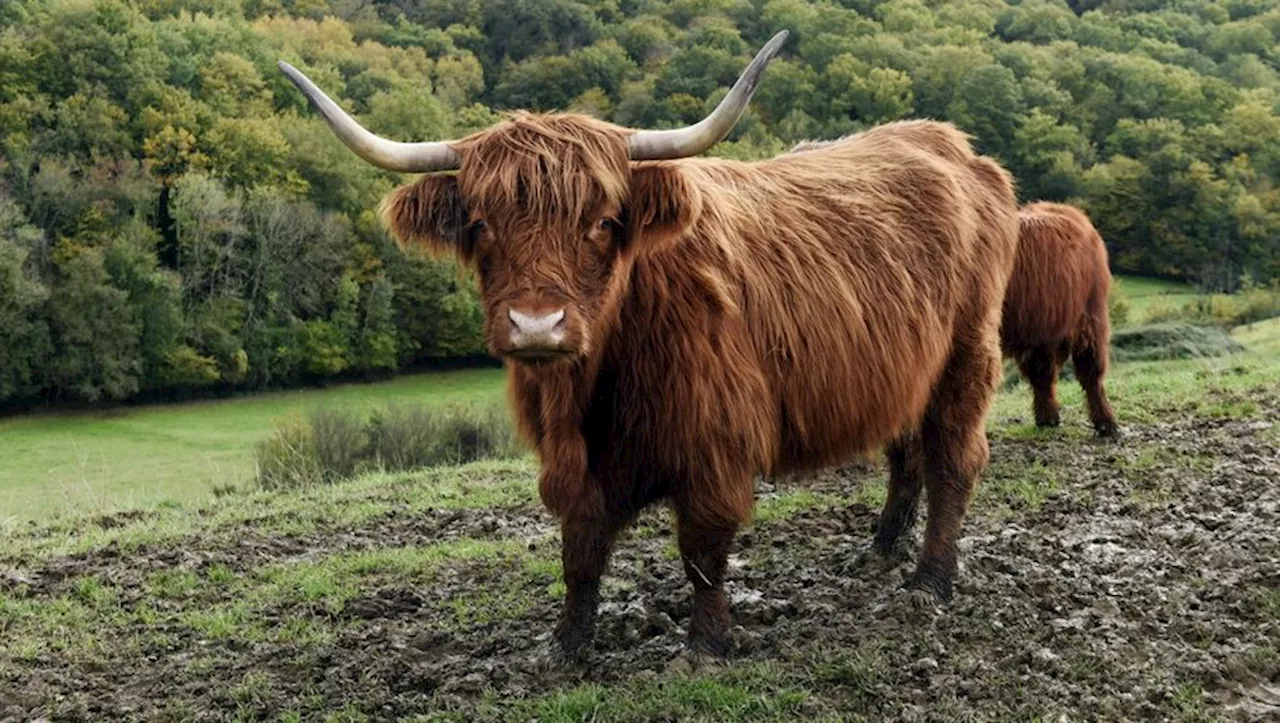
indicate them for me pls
(1056, 308)
(738, 319)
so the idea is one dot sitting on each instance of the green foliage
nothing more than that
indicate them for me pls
(330, 445)
(22, 322)
(95, 335)
(1118, 309)
(172, 210)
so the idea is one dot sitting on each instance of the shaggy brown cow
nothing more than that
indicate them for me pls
(1056, 307)
(672, 329)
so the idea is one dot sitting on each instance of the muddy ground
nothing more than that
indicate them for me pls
(1129, 580)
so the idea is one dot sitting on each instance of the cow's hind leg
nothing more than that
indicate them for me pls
(905, 459)
(1090, 361)
(587, 543)
(955, 453)
(1041, 366)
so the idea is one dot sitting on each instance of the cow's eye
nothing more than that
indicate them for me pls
(606, 224)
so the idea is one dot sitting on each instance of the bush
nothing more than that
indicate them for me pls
(287, 459)
(1252, 303)
(1118, 308)
(330, 445)
(338, 442)
(407, 437)
(1258, 303)
(403, 436)
(1172, 340)
(484, 433)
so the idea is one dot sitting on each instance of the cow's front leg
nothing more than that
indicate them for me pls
(587, 542)
(704, 548)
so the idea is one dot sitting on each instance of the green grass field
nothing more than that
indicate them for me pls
(131, 457)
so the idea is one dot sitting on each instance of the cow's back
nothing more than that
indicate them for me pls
(812, 309)
(1061, 273)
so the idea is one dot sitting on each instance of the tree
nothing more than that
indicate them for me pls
(95, 333)
(232, 86)
(87, 125)
(988, 103)
(375, 348)
(1048, 157)
(26, 344)
(154, 298)
(246, 152)
(408, 114)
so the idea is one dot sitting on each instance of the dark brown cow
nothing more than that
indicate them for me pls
(674, 328)
(1056, 308)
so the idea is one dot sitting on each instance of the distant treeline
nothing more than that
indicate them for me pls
(174, 220)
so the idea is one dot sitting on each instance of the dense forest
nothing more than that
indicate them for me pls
(173, 218)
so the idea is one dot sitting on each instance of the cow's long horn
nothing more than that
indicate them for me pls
(383, 153)
(694, 139)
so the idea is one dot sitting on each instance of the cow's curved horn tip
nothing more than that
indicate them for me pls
(285, 67)
(775, 43)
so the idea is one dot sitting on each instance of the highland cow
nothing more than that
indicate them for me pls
(1056, 308)
(673, 326)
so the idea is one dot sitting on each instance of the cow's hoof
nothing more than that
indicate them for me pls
(930, 586)
(560, 656)
(1107, 430)
(693, 660)
(712, 646)
(548, 659)
(551, 658)
(1049, 422)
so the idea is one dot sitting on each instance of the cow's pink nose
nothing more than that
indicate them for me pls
(536, 331)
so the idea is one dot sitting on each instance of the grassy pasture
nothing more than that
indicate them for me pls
(130, 457)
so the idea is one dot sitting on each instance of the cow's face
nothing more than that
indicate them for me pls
(549, 211)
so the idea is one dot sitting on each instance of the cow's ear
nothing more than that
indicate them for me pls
(430, 212)
(664, 206)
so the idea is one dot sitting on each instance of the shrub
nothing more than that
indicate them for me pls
(287, 458)
(338, 441)
(1118, 308)
(330, 445)
(1172, 340)
(1253, 303)
(406, 437)
(482, 433)
(402, 436)
(1258, 302)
